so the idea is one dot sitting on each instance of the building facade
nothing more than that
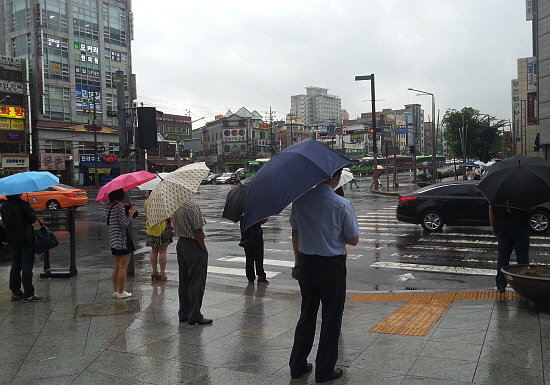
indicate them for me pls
(230, 141)
(316, 109)
(524, 128)
(73, 49)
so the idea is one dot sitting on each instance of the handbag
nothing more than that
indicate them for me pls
(167, 234)
(44, 239)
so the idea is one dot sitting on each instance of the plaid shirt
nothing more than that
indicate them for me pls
(186, 219)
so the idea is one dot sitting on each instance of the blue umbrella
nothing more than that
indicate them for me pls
(28, 181)
(287, 176)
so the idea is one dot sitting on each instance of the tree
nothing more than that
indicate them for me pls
(483, 140)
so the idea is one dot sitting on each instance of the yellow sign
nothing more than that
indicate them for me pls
(91, 170)
(12, 112)
(11, 124)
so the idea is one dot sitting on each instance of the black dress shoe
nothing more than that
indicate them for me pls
(300, 373)
(202, 321)
(337, 373)
(184, 319)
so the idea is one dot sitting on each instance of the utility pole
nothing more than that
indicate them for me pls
(122, 132)
(94, 127)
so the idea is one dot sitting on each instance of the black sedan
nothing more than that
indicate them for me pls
(210, 179)
(456, 203)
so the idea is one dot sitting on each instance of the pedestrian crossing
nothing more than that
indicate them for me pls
(386, 243)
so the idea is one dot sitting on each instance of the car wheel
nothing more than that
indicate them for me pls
(539, 221)
(431, 221)
(53, 205)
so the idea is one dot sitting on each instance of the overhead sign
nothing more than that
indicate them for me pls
(12, 112)
(330, 128)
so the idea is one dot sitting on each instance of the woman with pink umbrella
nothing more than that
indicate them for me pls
(119, 216)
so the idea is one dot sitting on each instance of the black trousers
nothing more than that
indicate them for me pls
(254, 252)
(322, 281)
(192, 264)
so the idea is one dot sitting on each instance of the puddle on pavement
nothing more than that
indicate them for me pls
(107, 309)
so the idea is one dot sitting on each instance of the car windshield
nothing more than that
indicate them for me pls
(64, 187)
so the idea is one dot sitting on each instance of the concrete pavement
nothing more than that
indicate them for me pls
(79, 334)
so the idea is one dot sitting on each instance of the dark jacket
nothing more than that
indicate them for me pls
(18, 217)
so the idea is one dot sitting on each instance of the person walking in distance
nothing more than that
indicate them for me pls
(253, 243)
(511, 227)
(192, 262)
(18, 217)
(322, 224)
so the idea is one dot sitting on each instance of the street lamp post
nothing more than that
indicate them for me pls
(434, 138)
(374, 146)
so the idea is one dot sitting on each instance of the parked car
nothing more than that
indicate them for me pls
(210, 179)
(56, 197)
(225, 178)
(456, 203)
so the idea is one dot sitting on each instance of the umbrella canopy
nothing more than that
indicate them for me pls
(287, 176)
(154, 182)
(125, 182)
(519, 182)
(345, 178)
(173, 190)
(28, 181)
(234, 202)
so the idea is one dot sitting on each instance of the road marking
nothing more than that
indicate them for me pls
(434, 268)
(236, 271)
(272, 262)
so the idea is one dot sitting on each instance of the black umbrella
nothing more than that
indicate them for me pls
(519, 182)
(234, 203)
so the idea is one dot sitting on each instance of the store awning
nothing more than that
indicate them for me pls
(115, 166)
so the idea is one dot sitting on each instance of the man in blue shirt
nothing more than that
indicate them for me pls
(322, 224)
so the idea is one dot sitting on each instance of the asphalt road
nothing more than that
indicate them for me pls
(390, 255)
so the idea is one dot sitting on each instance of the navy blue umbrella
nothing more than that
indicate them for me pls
(288, 175)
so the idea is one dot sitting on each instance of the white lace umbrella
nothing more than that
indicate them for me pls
(173, 190)
(344, 178)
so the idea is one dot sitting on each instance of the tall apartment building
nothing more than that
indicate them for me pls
(316, 109)
(73, 48)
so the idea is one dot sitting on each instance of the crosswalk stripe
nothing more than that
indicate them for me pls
(434, 268)
(236, 271)
(272, 262)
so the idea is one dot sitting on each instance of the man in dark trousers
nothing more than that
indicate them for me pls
(18, 217)
(192, 262)
(511, 226)
(322, 224)
(253, 243)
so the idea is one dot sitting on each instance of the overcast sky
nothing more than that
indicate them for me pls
(209, 56)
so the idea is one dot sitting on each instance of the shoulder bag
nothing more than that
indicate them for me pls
(44, 239)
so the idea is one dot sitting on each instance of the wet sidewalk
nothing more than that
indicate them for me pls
(79, 334)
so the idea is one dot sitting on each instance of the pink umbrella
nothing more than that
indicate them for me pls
(125, 182)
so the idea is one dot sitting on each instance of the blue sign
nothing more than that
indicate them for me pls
(402, 131)
(11, 136)
(330, 128)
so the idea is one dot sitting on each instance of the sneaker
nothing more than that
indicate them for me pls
(115, 294)
(17, 297)
(123, 295)
(34, 298)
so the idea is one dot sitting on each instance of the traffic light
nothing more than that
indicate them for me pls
(147, 127)
(371, 130)
(349, 132)
(411, 149)
(319, 134)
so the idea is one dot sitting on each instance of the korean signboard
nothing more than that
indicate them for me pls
(234, 135)
(11, 161)
(52, 161)
(12, 112)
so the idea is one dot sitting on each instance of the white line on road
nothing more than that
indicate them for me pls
(272, 262)
(434, 268)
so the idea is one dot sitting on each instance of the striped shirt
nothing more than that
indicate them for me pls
(187, 219)
(118, 222)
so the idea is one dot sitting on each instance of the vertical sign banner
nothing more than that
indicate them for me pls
(529, 10)
(531, 117)
(531, 85)
(507, 139)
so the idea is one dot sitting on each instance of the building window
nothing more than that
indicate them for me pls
(21, 46)
(185, 131)
(20, 17)
(56, 103)
(54, 14)
(114, 25)
(56, 57)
